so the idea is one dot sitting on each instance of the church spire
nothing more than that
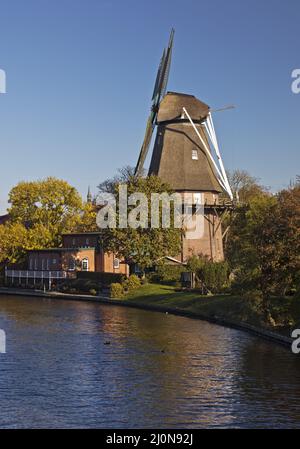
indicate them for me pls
(89, 196)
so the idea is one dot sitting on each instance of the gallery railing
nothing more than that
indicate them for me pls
(38, 274)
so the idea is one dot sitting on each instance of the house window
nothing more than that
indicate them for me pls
(195, 155)
(30, 264)
(47, 264)
(53, 261)
(43, 264)
(35, 264)
(116, 263)
(73, 242)
(87, 242)
(85, 264)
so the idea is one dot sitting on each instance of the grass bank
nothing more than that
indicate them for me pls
(285, 311)
(226, 310)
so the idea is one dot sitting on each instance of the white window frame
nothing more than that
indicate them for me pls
(85, 260)
(195, 156)
(116, 263)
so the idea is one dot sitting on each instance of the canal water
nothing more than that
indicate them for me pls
(73, 364)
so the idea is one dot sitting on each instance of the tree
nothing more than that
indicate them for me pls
(143, 246)
(244, 186)
(288, 223)
(52, 202)
(123, 176)
(264, 244)
(87, 221)
(13, 241)
(40, 211)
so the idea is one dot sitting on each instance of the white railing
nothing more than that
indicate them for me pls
(35, 274)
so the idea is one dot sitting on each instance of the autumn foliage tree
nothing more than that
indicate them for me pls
(264, 244)
(40, 211)
(244, 186)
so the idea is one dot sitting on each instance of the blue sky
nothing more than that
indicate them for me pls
(80, 75)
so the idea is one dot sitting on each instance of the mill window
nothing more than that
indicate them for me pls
(195, 155)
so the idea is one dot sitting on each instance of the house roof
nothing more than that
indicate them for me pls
(61, 250)
(175, 261)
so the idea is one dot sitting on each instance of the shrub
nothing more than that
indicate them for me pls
(104, 278)
(167, 273)
(196, 263)
(132, 283)
(93, 292)
(214, 276)
(81, 285)
(116, 290)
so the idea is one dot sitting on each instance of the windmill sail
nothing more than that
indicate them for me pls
(158, 92)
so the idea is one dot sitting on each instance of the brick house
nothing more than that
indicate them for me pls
(79, 252)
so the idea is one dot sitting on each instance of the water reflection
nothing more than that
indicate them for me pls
(158, 370)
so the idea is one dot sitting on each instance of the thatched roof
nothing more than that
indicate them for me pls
(171, 106)
(172, 158)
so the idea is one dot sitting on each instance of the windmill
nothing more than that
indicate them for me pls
(186, 155)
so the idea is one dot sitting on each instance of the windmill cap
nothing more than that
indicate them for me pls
(172, 104)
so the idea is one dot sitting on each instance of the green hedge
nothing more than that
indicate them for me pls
(166, 273)
(78, 286)
(116, 291)
(214, 275)
(103, 278)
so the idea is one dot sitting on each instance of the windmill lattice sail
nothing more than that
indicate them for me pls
(158, 92)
